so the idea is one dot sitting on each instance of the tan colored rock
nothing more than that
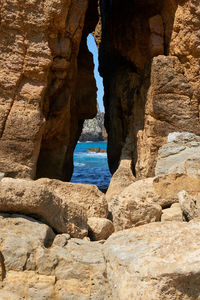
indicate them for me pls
(33, 198)
(180, 155)
(61, 240)
(38, 269)
(128, 210)
(43, 55)
(100, 228)
(64, 206)
(20, 237)
(154, 261)
(122, 178)
(174, 213)
(142, 200)
(163, 189)
(188, 206)
(161, 93)
(169, 88)
(86, 195)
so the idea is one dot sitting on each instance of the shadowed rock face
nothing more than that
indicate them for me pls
(47, 87)
(148, 59)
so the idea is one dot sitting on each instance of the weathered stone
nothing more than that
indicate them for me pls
(35, 198)
(188, 206)
(163, 189)
(132, 207)
(149, 61)
(122, 178)
(154, 261)
(93, 129)
(180, 155)
(86, 195)
(168, 84)
(61, 240)
(130, 265)
(20, 237)
(142, 200)
(174, 213)
(100, 228)
(43, 55)
(34, 270)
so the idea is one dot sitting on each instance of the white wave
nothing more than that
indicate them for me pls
(76, 164)
(94, 154)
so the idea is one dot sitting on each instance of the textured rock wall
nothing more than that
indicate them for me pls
(40, 83)
(149, 59)
(153, 261)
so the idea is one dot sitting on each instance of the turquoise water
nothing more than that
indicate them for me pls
(91, 168)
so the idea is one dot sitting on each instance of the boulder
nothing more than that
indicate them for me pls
(154, 261)
(163, 189)
(174, 213)
(100, 228)
(37, 266)
(128, 210)
(181, 154)
(122, 178)
(20, 237)
(86, 195)
(64, 206)
(34, 198)
(142, 200)
(189, 206)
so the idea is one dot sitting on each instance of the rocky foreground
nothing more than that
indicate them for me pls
(59, 240)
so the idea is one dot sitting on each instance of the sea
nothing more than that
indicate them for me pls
(91, 167)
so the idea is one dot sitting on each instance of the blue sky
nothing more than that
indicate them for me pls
(99, 81)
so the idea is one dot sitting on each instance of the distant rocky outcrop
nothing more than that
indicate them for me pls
(96, 150)
(93, 129)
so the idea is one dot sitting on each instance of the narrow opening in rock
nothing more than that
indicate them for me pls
(90, 155)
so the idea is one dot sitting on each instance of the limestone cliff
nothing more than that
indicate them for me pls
(47, 87)
(149, 60)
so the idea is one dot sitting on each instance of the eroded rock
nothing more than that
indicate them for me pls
(188, 205)
(122, 178)
(180, 155)
(33, 198)
(100, 228)
(174, 213)
(154, 261)
(86, 195)
(75, 270)
(128, 210)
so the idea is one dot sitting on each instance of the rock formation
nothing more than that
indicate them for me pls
(47, 85)
(93, 130)
(141, 239)
(154, 261)
(149, 60)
